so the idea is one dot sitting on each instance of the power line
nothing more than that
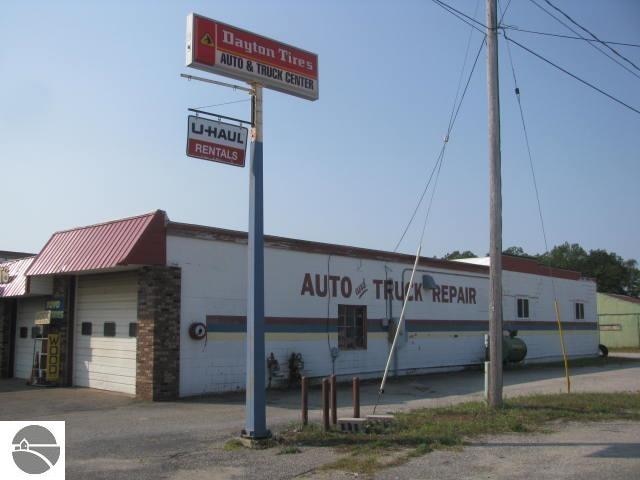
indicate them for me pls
(437, 165)
(504, 12)
(583, 38)
(461, 16)
(597, 89)
(452, 118)
(526, 138)
(592, 34)
(449, 7)
(464, 64)
(559, 35)
(544, 231)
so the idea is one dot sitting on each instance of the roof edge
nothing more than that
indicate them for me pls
(110, 221)
(226, 235)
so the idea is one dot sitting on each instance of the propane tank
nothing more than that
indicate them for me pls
(514, 349)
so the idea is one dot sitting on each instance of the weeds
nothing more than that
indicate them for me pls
(421, 431)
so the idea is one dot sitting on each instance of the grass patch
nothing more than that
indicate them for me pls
(233, 444)
(288, 450)
(624, 349)
(578, 362)
(421, 431)
(361, 464)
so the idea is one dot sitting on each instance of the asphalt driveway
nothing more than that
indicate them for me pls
(111, 435)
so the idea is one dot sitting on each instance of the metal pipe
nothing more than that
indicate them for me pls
(217, 82)
(356, 397)
(325, 404)
(399, 327)
(564, 351)
(202, 112)
(334, 400)
(304, 385)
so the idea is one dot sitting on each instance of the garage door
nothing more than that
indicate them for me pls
(25, 322)
(105, 329)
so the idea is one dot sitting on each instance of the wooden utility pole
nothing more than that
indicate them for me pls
(495, 211)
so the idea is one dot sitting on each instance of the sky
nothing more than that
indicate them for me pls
(93, 119)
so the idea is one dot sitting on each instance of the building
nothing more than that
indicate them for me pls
(6, 255)
(619, 320)
(157, 308)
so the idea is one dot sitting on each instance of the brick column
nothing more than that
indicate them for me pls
(6, 313)
(158, 347)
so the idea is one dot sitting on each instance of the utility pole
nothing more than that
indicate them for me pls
(495, 211)
(255, 406)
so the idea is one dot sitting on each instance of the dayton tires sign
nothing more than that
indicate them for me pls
(220, 48)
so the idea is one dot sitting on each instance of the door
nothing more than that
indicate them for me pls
(26, 331)
(105, 332)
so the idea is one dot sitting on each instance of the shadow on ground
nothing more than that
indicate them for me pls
(429, 386)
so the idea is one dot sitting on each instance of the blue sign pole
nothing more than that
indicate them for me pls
(255, 405)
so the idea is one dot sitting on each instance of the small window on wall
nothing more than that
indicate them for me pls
(24, 332)
(579, 311)
(133, 329)
(352, 327)
(523, 308)
(87, 328)
(35, 332)
(109, 329)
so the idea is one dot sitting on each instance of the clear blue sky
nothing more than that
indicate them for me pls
(93, 123)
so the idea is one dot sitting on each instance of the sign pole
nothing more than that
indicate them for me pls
(495, 211)
(230, 51)
(255, 405)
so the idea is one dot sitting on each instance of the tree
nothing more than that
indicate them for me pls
(633, 282)
(612, 273)
(516, 252)
(570, 257)
(456, 254)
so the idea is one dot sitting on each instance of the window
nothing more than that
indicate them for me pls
(24, 332)
(87, 328)
(109, 329)
(579, 311)
(133, 329)
(352, 327)
(523, 308)
(35, 332)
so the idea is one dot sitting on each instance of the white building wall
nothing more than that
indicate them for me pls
(214, 279)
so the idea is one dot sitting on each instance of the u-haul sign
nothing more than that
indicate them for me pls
(216, 141)
(219, 48)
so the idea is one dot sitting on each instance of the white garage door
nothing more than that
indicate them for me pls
(104, 351)
(25, 321)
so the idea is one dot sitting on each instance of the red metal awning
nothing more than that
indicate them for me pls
(17, 286)
(131, 241)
